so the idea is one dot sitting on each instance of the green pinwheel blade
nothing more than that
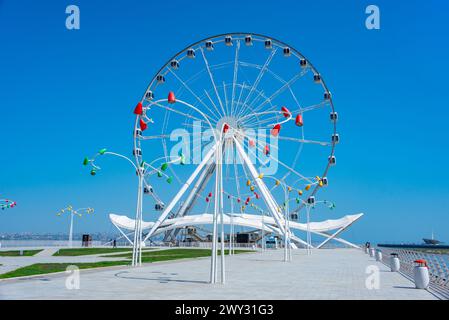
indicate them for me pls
(86, 161)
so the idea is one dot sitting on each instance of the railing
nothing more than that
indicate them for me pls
(438, 267)
(209, 245)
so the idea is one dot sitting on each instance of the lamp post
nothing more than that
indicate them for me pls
(72, 213)
(140, 171)
(143, 187)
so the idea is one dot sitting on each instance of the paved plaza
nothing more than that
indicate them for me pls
(326, 274)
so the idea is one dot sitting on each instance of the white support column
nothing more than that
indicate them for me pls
(181, 192)
(137, 243)
(309, 239)
(71, 229)
(220, 195)
(213, 271)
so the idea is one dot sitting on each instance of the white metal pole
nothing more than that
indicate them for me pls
(140, 217)
(308, 230)
(214, 232)
(263, 231)
(71, 229)
(136, 243)
(285, 222)
(223, 278)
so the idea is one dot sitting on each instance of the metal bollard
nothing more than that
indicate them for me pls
(378, 255)
(395, 264)
(372, 252)
(421, 274)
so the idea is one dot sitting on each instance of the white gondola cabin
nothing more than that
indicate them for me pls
(268, 44)
(160, 78)
(248, 40)
(316, 78)
(137, 152)
(174, 64)
(191, 53)
(138, 133)
(209, 45)
(334, 116)
(311, 200)
(303, 63)
(332, 160)
(228, 41)
(325, 181)
(335, 138)
(149, 95)
(287, 52)
(327, 95)
(147, 190)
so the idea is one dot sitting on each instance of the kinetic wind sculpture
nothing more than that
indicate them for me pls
(78, 212)
(7, 204)
(144, 171)
(236, 107)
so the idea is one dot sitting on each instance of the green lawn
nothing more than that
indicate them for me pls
(16, 253)
(87, 251)
(147, 257)
(43, 268)
(173, 254)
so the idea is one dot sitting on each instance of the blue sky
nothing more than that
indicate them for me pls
(64, 94)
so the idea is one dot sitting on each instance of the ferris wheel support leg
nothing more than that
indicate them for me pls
(191, 199)
(271, 203)
(137, 230)
(181, 192)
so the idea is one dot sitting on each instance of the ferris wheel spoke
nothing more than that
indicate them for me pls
(178, 112)
(260, 75)
(235, 77)
(282, 89)
(242, 87)
(212, 80)
(212, 102)
(312, 107)
(321, 143)
(191, 91)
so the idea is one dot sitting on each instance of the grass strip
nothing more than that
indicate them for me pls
(16, 253)
(44, 268)
(72, 252)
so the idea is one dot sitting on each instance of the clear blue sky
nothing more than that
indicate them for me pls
(64, 94)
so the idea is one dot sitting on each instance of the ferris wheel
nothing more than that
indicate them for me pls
(222, 114)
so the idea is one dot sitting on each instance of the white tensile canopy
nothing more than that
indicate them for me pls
(328, 228)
